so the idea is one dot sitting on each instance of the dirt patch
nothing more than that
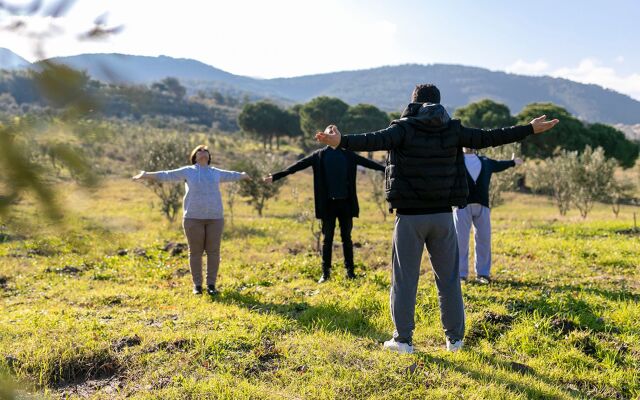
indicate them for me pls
(5, 237)
(586, 345)
(491, 326)
(563, 326)
(66, 270)
(175, 248)
(592, 390)
(109, 386)
(114, 300)
(180, 272)
(80, 371)
(628, 232)
(12, 362)
(171, 346)
(140, 252)
(267, 356)
(125, 342)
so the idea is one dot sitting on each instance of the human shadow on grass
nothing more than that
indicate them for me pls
(242, 231)
(561, 310)
(330, 317)
(615, 295)
(513, 385)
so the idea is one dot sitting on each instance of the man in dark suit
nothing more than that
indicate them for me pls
(334, 188)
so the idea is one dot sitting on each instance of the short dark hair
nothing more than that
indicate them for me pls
(192, 157)
(426, 93)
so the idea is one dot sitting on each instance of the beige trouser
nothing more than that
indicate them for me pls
(203, 235)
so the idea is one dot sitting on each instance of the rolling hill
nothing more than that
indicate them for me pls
(10, 60)
(386, 87)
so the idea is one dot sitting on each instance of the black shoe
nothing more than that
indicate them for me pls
(211, 290)
(197, 289)
(350, 274)
(483, 279)
(323, 278)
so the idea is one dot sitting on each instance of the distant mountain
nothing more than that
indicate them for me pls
(390, 88)
(10, 60)
(386, 87)
(122, 68)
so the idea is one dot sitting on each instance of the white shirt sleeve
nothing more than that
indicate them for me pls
(229, 176)
(178, 174)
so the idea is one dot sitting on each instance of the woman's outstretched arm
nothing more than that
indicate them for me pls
(232, 176)
(178, 174)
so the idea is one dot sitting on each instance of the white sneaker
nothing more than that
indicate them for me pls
(454, 346)
(398, 347)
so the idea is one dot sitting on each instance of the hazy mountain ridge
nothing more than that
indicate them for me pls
(10, 60)
(386, 87)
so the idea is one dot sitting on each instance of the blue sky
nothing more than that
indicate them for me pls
(587, 41)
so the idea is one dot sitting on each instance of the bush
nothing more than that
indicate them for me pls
(256, 191)
(164, 155)
(592, 176)
(576, 179)
(552, 177)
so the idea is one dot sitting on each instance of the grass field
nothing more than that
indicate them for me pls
(80, 318)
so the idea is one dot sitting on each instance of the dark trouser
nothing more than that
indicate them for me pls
(411, 234)
(341, 210)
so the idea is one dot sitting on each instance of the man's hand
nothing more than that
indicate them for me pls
(268, 179)
(245, 177)
(541, 124)
(331, 136)
(518, 161)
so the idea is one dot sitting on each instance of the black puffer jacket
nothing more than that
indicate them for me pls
(425, 163)
(320, 189)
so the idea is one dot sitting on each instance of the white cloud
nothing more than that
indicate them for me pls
(589, 70)
(538, 67)
(592, 71)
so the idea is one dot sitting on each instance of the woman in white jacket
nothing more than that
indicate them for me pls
(203, 218)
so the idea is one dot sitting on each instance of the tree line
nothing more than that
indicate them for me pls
(267, 121)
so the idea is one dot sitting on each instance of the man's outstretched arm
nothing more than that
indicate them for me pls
(385, 139)
(367, 163)
(481, 138)
(292, 169)
(501, 165)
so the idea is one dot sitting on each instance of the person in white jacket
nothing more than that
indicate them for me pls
(203, 218)
(477, 213)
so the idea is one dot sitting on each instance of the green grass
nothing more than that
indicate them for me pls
(561, 320)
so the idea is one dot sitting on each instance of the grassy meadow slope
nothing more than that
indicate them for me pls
(81, 318)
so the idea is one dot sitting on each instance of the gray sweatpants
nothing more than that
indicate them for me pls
(411, 234)
(480, 217)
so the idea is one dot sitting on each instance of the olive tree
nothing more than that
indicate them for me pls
(592, 175)
(378, 193)
(164, 155)
(305, 214)
(255, 191)
(552, 177)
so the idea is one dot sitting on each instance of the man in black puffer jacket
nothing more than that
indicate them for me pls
(425, 177)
